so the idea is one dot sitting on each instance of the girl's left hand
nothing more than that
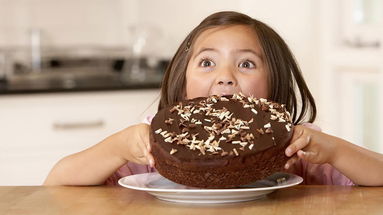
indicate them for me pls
(310, 145)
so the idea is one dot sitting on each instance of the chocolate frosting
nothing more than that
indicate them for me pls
(213, 131)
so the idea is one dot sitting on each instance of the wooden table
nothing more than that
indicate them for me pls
(118, 200)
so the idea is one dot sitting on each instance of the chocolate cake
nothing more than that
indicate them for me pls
(220, 141)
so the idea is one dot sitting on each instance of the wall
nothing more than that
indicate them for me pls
(71, 22)
(106, 22)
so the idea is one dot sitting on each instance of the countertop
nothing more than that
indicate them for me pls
(47, 83)
(301, 199)
(10, 90)
(86, 78)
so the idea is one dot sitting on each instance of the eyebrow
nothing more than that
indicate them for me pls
(249, 50)
(204, 50)
(237, 50)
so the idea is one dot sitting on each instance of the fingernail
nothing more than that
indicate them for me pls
(288, 151)
(287, 166)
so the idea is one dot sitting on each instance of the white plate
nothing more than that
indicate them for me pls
(164, 189)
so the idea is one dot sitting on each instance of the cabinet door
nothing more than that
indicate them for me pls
(362, 23)
(38, 130)
(359, 103)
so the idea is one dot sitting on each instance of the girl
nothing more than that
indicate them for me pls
(230, 53)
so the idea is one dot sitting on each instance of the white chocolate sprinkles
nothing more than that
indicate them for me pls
(220, 125)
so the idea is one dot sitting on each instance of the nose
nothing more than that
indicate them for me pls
(225, 83)
(226, 77)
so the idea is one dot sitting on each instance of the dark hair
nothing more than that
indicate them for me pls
(284, 73)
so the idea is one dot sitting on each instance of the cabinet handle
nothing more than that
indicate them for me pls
(78, 125)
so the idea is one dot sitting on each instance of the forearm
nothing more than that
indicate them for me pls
(362, 166)
(89, 167)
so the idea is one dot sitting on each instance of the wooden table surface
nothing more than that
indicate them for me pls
(300, 199)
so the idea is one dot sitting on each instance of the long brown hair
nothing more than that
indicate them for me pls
(284, 74)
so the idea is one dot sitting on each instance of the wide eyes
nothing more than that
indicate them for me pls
(247, 65)
(206, 63)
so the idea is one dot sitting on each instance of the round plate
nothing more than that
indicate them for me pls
(164, 189)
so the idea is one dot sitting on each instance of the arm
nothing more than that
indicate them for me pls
(95, 164)
(362, 166)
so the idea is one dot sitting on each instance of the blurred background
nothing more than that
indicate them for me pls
(73, 72)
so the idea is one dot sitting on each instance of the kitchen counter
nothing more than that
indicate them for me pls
(103, 77)
(9, 90)
(75, 81)
(300, 199)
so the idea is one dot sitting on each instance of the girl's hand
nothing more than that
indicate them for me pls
(310, 145)
(134, 144)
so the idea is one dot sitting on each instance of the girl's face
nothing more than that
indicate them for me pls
(226, 60)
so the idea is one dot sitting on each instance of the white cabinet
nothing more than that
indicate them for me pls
(37, 130)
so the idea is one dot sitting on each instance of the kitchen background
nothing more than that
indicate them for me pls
(73, 72)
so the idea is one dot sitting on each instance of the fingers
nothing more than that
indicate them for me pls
(297, 133)
(297, 145)
(146, 157)
(145, 146)
(304, 155)
(150, 160)
(291, 161)
(307, 155)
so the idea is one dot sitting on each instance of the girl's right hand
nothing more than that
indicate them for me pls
(134, 144)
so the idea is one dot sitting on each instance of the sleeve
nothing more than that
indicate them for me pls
(323, 174)
(126, 170)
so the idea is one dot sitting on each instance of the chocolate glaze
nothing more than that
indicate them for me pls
(250, 127)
